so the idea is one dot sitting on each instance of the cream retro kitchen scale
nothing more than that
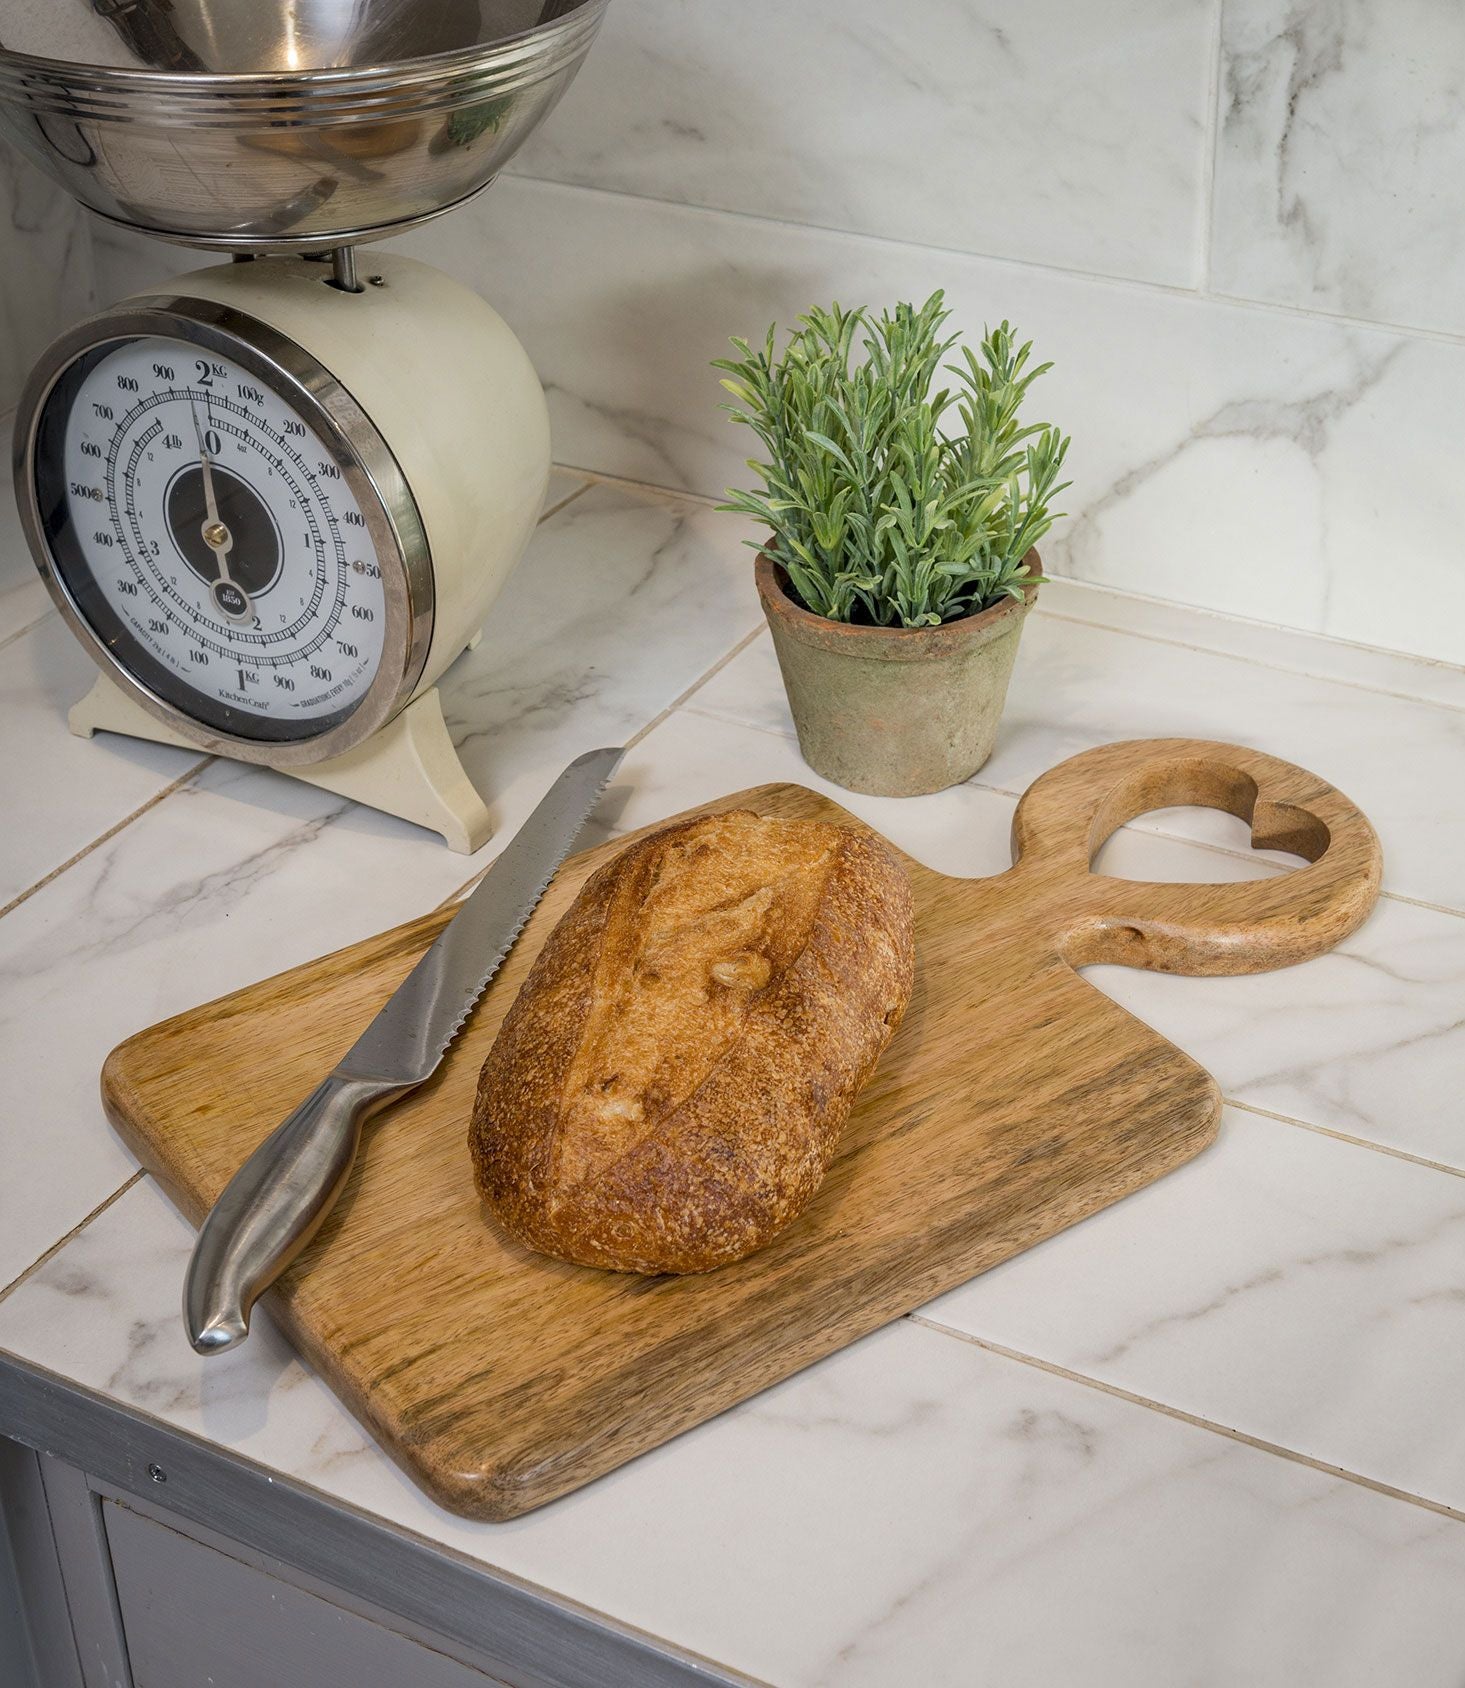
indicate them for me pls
(276, 498)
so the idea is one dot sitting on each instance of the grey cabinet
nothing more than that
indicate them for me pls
(144, 1558)
(109, 1591)
(192, 1615)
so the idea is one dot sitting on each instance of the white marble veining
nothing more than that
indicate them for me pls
(234, 876)
(698, 181)
(1371, 1046)
(65, 791)
(1340, 158)
(1304, 1279)
(1283, 1284)
(46, 272)
(914, 1509)
(1287, 469)
(1062, 134)
(241, 872)
(69, 791)
(1079, 684)
(917, 1508)
(1367, 1041)
(1225, 457)
(622, 603)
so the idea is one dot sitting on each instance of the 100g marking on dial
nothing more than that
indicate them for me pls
(227, 556)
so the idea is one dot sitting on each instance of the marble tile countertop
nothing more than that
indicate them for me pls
(1210, 1436)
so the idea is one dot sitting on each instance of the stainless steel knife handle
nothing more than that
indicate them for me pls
(276, 1201)
(273, 1206)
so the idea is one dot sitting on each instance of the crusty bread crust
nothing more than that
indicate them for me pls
(669, 1087)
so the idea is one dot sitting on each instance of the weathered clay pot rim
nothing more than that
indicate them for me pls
(887, 644)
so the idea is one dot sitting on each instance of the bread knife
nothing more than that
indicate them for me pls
(277, 1200)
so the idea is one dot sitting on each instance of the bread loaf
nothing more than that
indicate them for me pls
(668, 1089)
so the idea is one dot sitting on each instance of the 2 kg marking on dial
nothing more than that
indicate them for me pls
(221, 533)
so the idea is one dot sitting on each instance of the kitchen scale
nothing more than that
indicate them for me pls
(276, 498)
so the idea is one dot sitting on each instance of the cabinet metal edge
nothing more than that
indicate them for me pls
(528, 1635)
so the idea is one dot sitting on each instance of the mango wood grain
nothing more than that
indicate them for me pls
(1014, 1100)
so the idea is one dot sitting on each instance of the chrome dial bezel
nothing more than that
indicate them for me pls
(367, 464)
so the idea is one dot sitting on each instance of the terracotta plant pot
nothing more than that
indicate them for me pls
(894, 711)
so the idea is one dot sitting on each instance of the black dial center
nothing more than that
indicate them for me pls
(254, 548)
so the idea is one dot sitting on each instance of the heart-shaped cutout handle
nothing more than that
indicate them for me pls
(1065, 817)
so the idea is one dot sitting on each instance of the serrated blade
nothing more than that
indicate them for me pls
(408, 1038)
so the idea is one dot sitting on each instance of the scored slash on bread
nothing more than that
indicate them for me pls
(667, 1091)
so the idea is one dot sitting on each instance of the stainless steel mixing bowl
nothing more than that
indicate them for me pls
(282, 125)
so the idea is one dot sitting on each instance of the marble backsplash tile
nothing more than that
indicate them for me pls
(46, 268)
(1063, 134)
(1248, 454)
(1340, 163)
(1261, 463)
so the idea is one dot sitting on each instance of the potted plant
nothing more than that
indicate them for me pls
(900, 561)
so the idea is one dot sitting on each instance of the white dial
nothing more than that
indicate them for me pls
(208, 535)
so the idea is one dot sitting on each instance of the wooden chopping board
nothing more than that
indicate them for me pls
(1014, 1100)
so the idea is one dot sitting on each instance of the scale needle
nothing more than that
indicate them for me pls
(228, 595)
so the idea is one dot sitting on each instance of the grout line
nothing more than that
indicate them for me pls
(1344, 1137)
(75, 1230)
(738, 721)
(599, 477)
(635, 739)
(1194, 1419)
(569, 498)
(1174, 605)
(695, 686)
(1135, 284)
(1262, 662)
(48, 609)
(1371, 325)
(771, 219)
(198, 766)
(111, 832)
(999, 1350)
(461, 891)
(1235, 854)
(1241, 855)
(1424, 902)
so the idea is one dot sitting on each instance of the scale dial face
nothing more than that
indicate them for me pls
(206, 529)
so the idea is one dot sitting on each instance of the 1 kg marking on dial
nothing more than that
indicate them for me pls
(216, 527)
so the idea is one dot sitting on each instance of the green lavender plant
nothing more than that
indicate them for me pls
(878, 514)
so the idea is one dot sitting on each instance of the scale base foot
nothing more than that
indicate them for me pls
(409, 769)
